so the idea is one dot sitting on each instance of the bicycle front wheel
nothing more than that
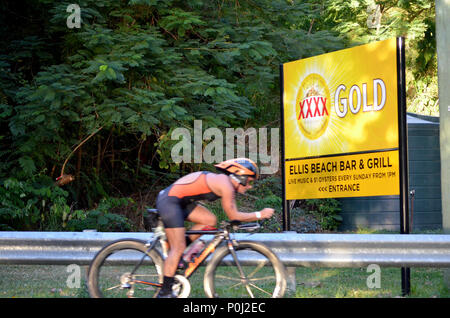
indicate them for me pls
(254, 271)
(125, 268)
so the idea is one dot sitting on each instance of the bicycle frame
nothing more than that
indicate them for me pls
(220, 235)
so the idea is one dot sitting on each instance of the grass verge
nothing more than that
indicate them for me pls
(36, 281)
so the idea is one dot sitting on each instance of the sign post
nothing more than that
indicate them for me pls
(286, 211)
(403, 155)
(343, 117)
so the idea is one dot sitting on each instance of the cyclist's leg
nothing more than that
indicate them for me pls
(172, 215)
(176, 239)
(202, 218)
(177, 243)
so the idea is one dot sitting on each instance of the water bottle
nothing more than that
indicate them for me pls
(194, 249)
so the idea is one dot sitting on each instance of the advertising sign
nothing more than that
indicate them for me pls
(341, 127)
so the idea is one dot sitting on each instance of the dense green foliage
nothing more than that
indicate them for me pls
(102, 100)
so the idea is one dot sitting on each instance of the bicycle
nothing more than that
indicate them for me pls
(235, 269)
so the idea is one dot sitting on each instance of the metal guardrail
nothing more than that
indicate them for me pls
(294, 249)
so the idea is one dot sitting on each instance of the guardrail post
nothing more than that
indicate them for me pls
(290, 279)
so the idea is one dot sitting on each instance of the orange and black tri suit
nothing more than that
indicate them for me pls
(178, 200)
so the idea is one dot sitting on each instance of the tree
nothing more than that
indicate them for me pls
(101, 100)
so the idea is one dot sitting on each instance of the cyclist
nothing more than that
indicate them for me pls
(178, 203)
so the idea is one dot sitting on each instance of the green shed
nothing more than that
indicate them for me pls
(383, 212)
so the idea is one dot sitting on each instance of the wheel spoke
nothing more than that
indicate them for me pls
(261, 289)
(249, 291)
(262, 278)
(111, 288)
(228, 278)
(260, 265)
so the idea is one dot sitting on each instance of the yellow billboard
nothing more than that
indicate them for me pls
(342, 107)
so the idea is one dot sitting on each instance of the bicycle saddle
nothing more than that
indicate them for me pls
(151, 219)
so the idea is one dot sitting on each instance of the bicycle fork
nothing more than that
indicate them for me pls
(151, 245)
(244, 279)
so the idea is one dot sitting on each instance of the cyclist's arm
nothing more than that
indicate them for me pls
(230, 208)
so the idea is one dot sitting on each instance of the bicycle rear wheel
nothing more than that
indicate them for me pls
(257, 274)
(125, 268)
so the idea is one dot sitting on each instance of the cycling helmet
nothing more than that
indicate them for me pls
(240, 168)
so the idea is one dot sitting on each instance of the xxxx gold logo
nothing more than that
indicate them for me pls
(313, 106)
